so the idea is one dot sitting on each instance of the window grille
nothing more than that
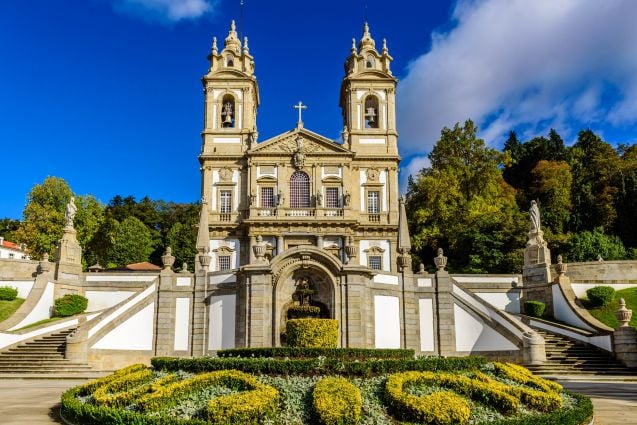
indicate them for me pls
(373, 202)
(267, 197)
(226, 202)
(299, 190)
(375, 262)
(331, 197)
(224, 262)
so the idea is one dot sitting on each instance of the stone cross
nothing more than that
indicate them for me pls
(300, 106)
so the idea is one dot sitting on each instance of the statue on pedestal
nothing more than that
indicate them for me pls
(70, 212)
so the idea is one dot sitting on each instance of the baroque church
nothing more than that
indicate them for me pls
(299, 210)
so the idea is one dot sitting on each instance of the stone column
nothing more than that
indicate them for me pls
(444, 317)
(253, 242)
(280, 244)
(319, 241)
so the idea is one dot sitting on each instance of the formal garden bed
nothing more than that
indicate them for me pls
(284, 386)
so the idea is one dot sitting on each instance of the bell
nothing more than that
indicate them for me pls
(227, 120)
(370, 115)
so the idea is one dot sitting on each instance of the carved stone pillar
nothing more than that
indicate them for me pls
(280, 245)
(253, 242)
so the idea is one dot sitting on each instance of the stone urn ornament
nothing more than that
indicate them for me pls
(440, 261)
(259, 249)
(168, 259)
(623, 314)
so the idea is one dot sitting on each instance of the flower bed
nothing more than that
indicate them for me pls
(479, 393)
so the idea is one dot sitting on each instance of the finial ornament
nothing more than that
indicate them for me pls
(233, 27)
(385, 45)
(353, 45)
(623, 314)
(168, 259)
(560, 267)
(214, 45)
(245, 45)
(440, 261)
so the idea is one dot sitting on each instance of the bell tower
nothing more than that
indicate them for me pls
(231, 98)
(368, 99)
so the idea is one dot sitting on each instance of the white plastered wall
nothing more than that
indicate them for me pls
(23, 286)
(135, 333)
(221, 327)
(182, 322)
(426, 315)
(100, 300)
(507, 301)
(472, 334)
(386, 322)
(42, 309)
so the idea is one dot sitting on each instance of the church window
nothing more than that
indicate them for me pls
(267, 197)
(331, 197)
(373, 202)
(369, 63)
(229, 61)
(300, 190)
(225, 202)
(228, 111)
(375, 262)
(371, 112)
(223, 262)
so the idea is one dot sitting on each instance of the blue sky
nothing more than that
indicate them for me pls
(107, 93)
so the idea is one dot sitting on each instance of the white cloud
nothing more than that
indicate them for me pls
(527, 64)
(412, 167)
(166, 10)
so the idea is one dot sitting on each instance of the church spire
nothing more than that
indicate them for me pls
(367, 42)
(232, 40)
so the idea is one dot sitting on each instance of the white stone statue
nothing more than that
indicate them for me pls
(535, 217)
(69, 215)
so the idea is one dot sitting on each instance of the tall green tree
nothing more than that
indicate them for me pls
(594, 165)
(132, 242)
(551, 183)
(461, 202)
(8, 227)
(43, 216)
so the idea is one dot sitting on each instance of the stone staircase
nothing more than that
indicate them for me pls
(565, 357)
(41, 356)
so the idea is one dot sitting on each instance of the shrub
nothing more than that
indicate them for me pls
(524, 376)
(534, 308)
(318, 366)
(322, 333)
(600, 296)
(104, 394)
(303, 311)
(8, 293)
(70, 304)
(337, 402)
(330, 353)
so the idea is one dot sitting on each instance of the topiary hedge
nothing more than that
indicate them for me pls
(70, 304)
(337, 402)
(317, 366)
(8, 293)
(319, 333)
(534, 308)
(507, 394)
(600, 296)
(330, 353)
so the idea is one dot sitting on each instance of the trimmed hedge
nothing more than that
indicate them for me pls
(330, 353)
(524, 376)
(319, 333)
(7, 293)
(336, 401)
(600, 296)
(70, 304)
(534, 308)
(579, 415)
(318, 366)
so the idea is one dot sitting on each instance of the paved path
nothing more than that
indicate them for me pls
(614, 402)
(36, 401)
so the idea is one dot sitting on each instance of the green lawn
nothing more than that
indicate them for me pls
(606, 314)
(7, 308)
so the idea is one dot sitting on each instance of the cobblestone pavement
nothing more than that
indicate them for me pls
(36, 401)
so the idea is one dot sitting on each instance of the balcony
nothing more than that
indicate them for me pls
(300, 213)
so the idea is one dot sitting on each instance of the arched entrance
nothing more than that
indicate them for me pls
(310, 282)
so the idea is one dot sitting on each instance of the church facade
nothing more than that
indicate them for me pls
(300, 206)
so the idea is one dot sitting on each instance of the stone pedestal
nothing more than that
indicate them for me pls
(68, 264)
(444, 314)
(536, 273)
(77, 344)
(625, 345)
(533, 350)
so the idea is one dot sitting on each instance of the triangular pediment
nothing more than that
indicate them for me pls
(299, 139)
